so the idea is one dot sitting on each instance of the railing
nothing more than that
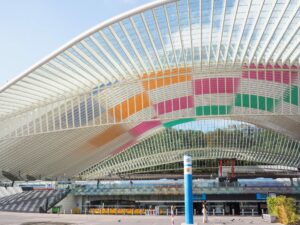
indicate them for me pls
(52, 201)
(179, 190)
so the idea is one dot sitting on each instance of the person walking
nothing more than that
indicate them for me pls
(204, 212)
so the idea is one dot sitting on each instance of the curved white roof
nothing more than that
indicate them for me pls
(158, 36)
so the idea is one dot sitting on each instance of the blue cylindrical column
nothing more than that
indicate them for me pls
(188, 189)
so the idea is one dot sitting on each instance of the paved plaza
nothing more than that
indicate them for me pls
(7, 218)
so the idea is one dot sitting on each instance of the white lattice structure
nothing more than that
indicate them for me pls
(131, 76)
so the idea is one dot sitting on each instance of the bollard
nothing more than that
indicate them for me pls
(233, 212)
(262, 211)
(243, 212)
(214, 212)
(252, 212)
(194, 211)
(132, 211)
(85, 211)
(168, 212)
(71, 211)
(223, 212)
(176, 212)
(108, 211)
(64, 211)
(141, 211)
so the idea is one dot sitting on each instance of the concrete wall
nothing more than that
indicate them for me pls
(69, 203)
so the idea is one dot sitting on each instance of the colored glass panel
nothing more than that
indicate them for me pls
(212, 110)
(292, 95)
(131, 106)
(168, 77)
(216, 85)
(270, 73)
(143, 127)
(174, 104)
(176, 122)
(255, 102)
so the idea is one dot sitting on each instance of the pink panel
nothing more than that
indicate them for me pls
(143, 127)
(122, 147)
(267, 73)
(216, 85)
(174, 104)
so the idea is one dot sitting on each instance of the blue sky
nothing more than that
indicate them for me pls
(32, 29)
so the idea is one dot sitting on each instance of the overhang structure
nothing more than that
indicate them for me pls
(163, 64)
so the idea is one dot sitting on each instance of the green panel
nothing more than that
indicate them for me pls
(246, 100)
(199, 110)
(238, 100)
(176, 122)
(255, 102)
(262, 103)
(291, 95)
(270, 104)
(206, 110)
(212, 110)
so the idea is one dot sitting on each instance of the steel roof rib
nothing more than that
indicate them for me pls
(133, 47)
(116, 53)
(152, 43)
(125, 50)
(88, 72)
(33, 89)
(289, 54)
(74, 75)
(74, 83)
(242, 33)
(211, 30)
(53, 77)
(101, 73)
(262, 52)
(291, 18)
(160, 37)
(116, 65)
(296, 56)
(42, 80)
(85, 75)
(180, 34)
(221, 33)
(142, 43)
(170, 34)
(231, 30)
(287, 44)
(262, 32)
(252, 31)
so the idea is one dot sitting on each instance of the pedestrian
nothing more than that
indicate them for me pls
(204, 212)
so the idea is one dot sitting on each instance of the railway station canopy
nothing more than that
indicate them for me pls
(212, 78)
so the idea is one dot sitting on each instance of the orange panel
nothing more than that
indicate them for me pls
(165, 78)
(129, 107)
(107, 136)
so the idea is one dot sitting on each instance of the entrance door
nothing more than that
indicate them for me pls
(198, 208)
(235, 206)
